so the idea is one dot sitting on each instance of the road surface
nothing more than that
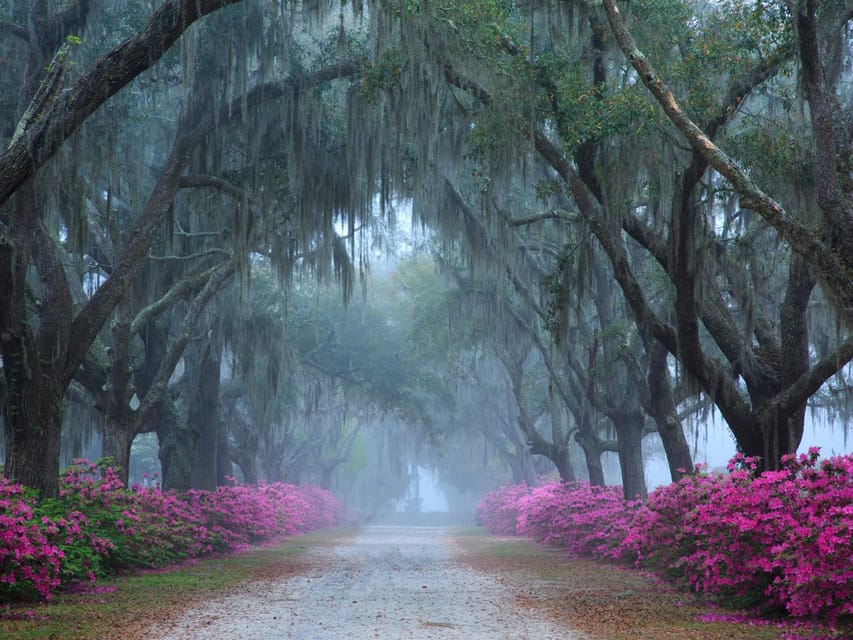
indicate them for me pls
(387, 582)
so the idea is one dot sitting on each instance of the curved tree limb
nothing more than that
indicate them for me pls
(15, 30)
(797, 394)
(196, 124)
(217, 279)
(169, 298)
(108, 75)
(210, 182)
(834, 271)
(820, 97)
(710, 374)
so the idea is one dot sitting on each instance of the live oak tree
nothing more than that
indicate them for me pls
(40, 360)
(641, 194)
(530, 136)
(774, 362)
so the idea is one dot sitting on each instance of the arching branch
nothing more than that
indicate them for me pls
(217, 279)
(107, 76)
(210, 182)
(15, 30)
(797, 394)
(181, 288)
(834, 270)
(192, 256)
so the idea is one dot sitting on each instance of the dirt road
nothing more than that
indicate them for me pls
(387, 583)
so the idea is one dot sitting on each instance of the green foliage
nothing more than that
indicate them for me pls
(382, 74)
(776, 154)
(486, 29)
(82, 561)
(699, 52)
(584, 111)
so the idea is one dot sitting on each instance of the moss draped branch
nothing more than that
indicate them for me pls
(834, 270)
(109, 74)
(197, 123)
(217, 278)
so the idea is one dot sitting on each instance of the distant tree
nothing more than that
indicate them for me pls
(40, 359)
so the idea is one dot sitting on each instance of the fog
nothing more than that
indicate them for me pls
(380, 256)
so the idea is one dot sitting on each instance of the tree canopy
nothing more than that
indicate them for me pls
(303, 239)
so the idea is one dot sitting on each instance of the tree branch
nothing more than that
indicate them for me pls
(170, 297)
(710, 375)
(42, 100)
(712, 378)
(193, 256)
(555, 214)
(796, 395)
(14, 30)
(820, 98)
(835, 271)
(216, 281)
(107, 76)
(195, 124)
(211, 182)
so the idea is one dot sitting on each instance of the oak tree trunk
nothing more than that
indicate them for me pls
(203, 417)
(665, 416)
(629, 439)
(177, 446)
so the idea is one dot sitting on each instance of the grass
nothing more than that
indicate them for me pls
(142, 598)
(607, 601)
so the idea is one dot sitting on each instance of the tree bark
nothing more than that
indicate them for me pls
(118, 429)
(592, 450)
(663, 411)
(177, 443)
(560, 439)
(629, 440)
(203, 415)
(244, 453)
(52, 124)
(116, 444)
(224, 468)
(32, 416)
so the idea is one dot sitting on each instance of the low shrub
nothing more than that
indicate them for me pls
(498, 510)
(778, 540)
(97, 526)
(586, 519)
(29, 562)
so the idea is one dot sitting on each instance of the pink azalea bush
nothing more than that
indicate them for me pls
(586, 519)
(498, 510)
(242, 514)
(28, 560)
(144, 528)
(97, 526)
(777, 540)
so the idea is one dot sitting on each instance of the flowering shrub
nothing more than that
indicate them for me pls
(779, 539)
(144, 528)
(97, 526)
(29, 563)
(586, 519)
(498, 510)
(240, 514)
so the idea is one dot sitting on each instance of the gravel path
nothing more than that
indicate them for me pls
(387, 582)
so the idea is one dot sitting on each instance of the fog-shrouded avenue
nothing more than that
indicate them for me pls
(567, 269)
(388, 582)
